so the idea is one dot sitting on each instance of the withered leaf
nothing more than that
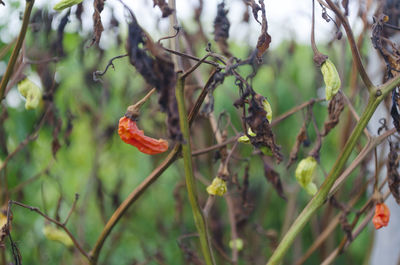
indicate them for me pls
(393, 174)
(274, 178)
(165, 9)
(55, 144)
(259, 124)
(97, 24)
(264, 39)
(58, 46)
(345, 4)
(254, 8)
(301, 137)
(394, 112)
(335, 108)
(221, 29)
(157, 69)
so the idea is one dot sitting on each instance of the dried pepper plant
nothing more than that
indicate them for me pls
(230, 119)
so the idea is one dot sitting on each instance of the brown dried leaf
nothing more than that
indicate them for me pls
(165, 9)
(301, 137)
(55, 144)
(97, 24)
(221, 29)
(264, 39)
(393, 174)
(274, 178)
(260, 126)
(335, 108)
(157, 69)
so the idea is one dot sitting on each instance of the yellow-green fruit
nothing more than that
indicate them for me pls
(268, 109)
(237, 243)
(65, 4)
(331, 79)
(31, 92)
(217, 187)
(305, 173)
(56, 234)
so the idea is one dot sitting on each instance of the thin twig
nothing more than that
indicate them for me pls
(48, 218)
(96, 74)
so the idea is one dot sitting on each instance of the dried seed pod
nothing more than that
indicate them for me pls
(130, 134)
(331, 79)
(382, 215)
(31, 92)
(63, 4)
(56, 234)
(305, 174)
(217, 187)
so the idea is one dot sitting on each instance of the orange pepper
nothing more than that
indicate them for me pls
(130, 134)
(382, 215)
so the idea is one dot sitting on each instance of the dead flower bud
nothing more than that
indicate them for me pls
(331, 79)
(31, 92)
(217, 187)
(382, 215)
(305, 174)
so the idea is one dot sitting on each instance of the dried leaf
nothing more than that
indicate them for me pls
(58, 46)
(393, 174)
(4, 230)
(394, 112)
(55, 144)
(345, 4)
(97, 24)
(301, 137)
(165, 9)
(274, 178)
(335, 108)
(157, 69)
(264, 39)
(259, 124)
(221, 29)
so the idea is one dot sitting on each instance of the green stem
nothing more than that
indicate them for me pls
(376, 96)
(17, 48)
(199, 219)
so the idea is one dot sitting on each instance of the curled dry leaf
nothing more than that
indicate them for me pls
(274, 178)
(301, 137)
(335, 108)
(221, 29)
(97, 24)
(394, 110)
(165, 9)
(393, 174)
(264, 39)
(259, 124)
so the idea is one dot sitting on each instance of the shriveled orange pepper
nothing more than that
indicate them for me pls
(130, 134)
(382, 215)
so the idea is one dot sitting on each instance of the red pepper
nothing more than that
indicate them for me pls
(382, 215)
(130, 134)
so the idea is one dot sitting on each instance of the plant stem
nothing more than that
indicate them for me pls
(376, 96)
(17, 48)
(199, 219)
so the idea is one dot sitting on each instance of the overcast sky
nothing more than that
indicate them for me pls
(287, 18)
